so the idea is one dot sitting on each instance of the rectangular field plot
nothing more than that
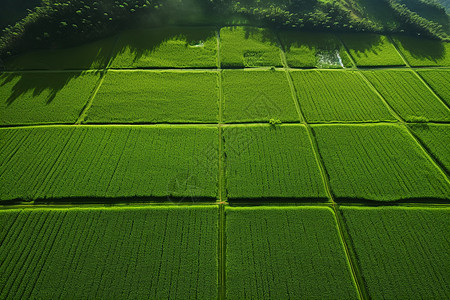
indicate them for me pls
(156, 97)
(408, 96)
(423, 52)
(327, 96)
(402, 252)
(439, 80)
(251, 96)
(86, 162)
(249, 47)
(370, 50)
(378, 163)
(311, 50)
(94, 55)
(166, 48)
(59, 97)
(109, 253)
(436, 138)
(285, 253)
(271, 163)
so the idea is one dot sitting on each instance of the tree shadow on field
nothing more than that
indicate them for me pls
(421, 48)
(362, 42)
(311, 40)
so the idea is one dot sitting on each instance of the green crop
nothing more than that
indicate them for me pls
(166, 48)
(35, 97)
(281, 253)
(402, 252)
(271, 162)
(327, 96)
(249, 47)
(109, 253)
(408, 96)
(371, 50)
(108, 162)
(378, 162)
(423, 52)
(156, 97)
(439, 80)
(251, 96)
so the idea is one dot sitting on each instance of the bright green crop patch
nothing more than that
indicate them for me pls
(59, 97)
(273, 162)
(285, 253)
(156, 97)
(310, 50)
(379, 163)
(249, 47)
(371, 50)
(108, 162)
(327, 96)
(257, 96)
(408, 96)
(439, 80)
(402, 252)
(436, 138)
(423, 52)
(109, 253)
(94, 55)
(166, 48)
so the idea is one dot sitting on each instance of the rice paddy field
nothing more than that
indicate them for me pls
(227, 163)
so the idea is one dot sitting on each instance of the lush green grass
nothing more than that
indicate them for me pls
(271, 162)
(313, 49)
(166, 48)
(109, 253)
(423, 52)
(408, 96)
(436, 138)
(327, 96)
(152, 97)
(371, 50)
(108, 162)
(257, 96)
(402, 252)
(94, 55)
(378, 162)
(58, 97)
(289, 252)
(249, 47)
(439, 80)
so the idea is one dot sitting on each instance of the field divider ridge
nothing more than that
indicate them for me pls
(354, 270)
(222, 253)
(88, 104)
(354, 66)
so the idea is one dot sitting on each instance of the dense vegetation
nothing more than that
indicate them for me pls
(57, 22)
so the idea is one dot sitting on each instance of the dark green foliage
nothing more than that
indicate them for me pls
(378, 163)
(109, 253)
(281, 253)
(402, 252)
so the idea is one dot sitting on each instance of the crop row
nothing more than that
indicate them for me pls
(270, 252)
(375, 162)
(240, 46)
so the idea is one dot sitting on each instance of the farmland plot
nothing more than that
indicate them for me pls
(408, 96)
(379, 163)
(109, 253)
(369, 50)
(436, 138)
(28, 98)
(271, 162)
(166, 48)
(439, 80)
(327, 96)
(156, 97)
(249, 47)
(281, 253)
(423, 52)
(311, 50)
(108, 162)
(251, 96)
(94, 55)
(402, 252)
